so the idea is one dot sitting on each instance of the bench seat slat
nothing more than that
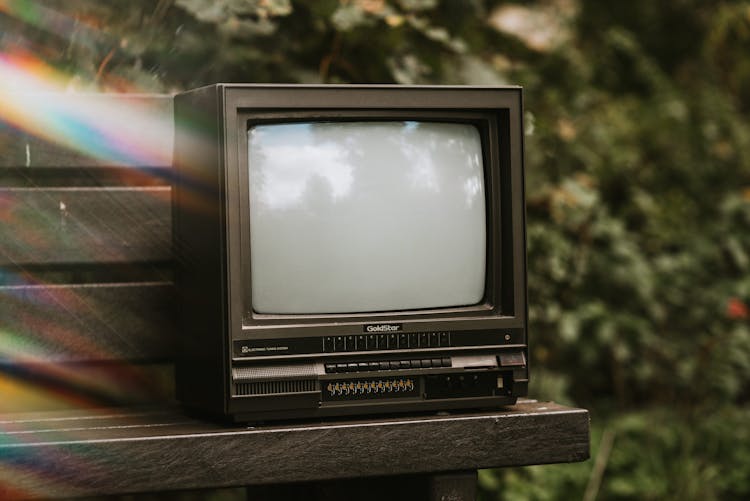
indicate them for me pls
(171, 451)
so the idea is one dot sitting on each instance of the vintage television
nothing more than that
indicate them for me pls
(349, 250)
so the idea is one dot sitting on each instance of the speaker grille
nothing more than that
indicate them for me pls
(275, 387)
(272, 372)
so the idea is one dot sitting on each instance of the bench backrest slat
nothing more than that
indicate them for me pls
(85, 225)
(85, 245)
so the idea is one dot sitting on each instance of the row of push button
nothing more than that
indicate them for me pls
(426, 363)
(368, 342)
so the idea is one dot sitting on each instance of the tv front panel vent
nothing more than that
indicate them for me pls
(276, 387)
(276, 372)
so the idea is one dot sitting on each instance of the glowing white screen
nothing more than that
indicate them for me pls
(350, 217)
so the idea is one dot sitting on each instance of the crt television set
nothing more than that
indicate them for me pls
(349, 250)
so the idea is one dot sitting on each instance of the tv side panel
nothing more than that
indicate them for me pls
(199, 249)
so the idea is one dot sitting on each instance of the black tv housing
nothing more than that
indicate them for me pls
(249, 366)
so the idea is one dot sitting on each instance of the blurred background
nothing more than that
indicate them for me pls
(638, 185)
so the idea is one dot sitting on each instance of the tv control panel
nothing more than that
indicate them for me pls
(385, 365)
(393, 379)
(337, 344)
(393, 341)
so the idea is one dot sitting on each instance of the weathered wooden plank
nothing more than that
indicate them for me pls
(52, 177)
(54, 323)
(64, 130)
(60, 386)
(10, 151)
(85, 225)
(111, 452)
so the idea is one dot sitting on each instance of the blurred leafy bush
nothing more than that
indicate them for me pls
(638, 187)
(651, 455)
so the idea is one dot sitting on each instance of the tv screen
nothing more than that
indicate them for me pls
(366, 216)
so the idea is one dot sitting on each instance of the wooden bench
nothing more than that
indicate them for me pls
(87, 342)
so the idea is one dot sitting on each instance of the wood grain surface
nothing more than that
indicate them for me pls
(112, 451)
(85, 225)
(57, 323)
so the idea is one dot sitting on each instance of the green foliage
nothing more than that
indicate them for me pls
(645, 190)
(638, 187)
(654, 455)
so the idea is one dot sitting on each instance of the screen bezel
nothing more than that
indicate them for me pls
(486, 126)
(497, 111)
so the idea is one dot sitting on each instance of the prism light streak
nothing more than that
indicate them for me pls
(34, 99)
(58, 224)
(56, 469)
(113, 132)
(49, 323)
